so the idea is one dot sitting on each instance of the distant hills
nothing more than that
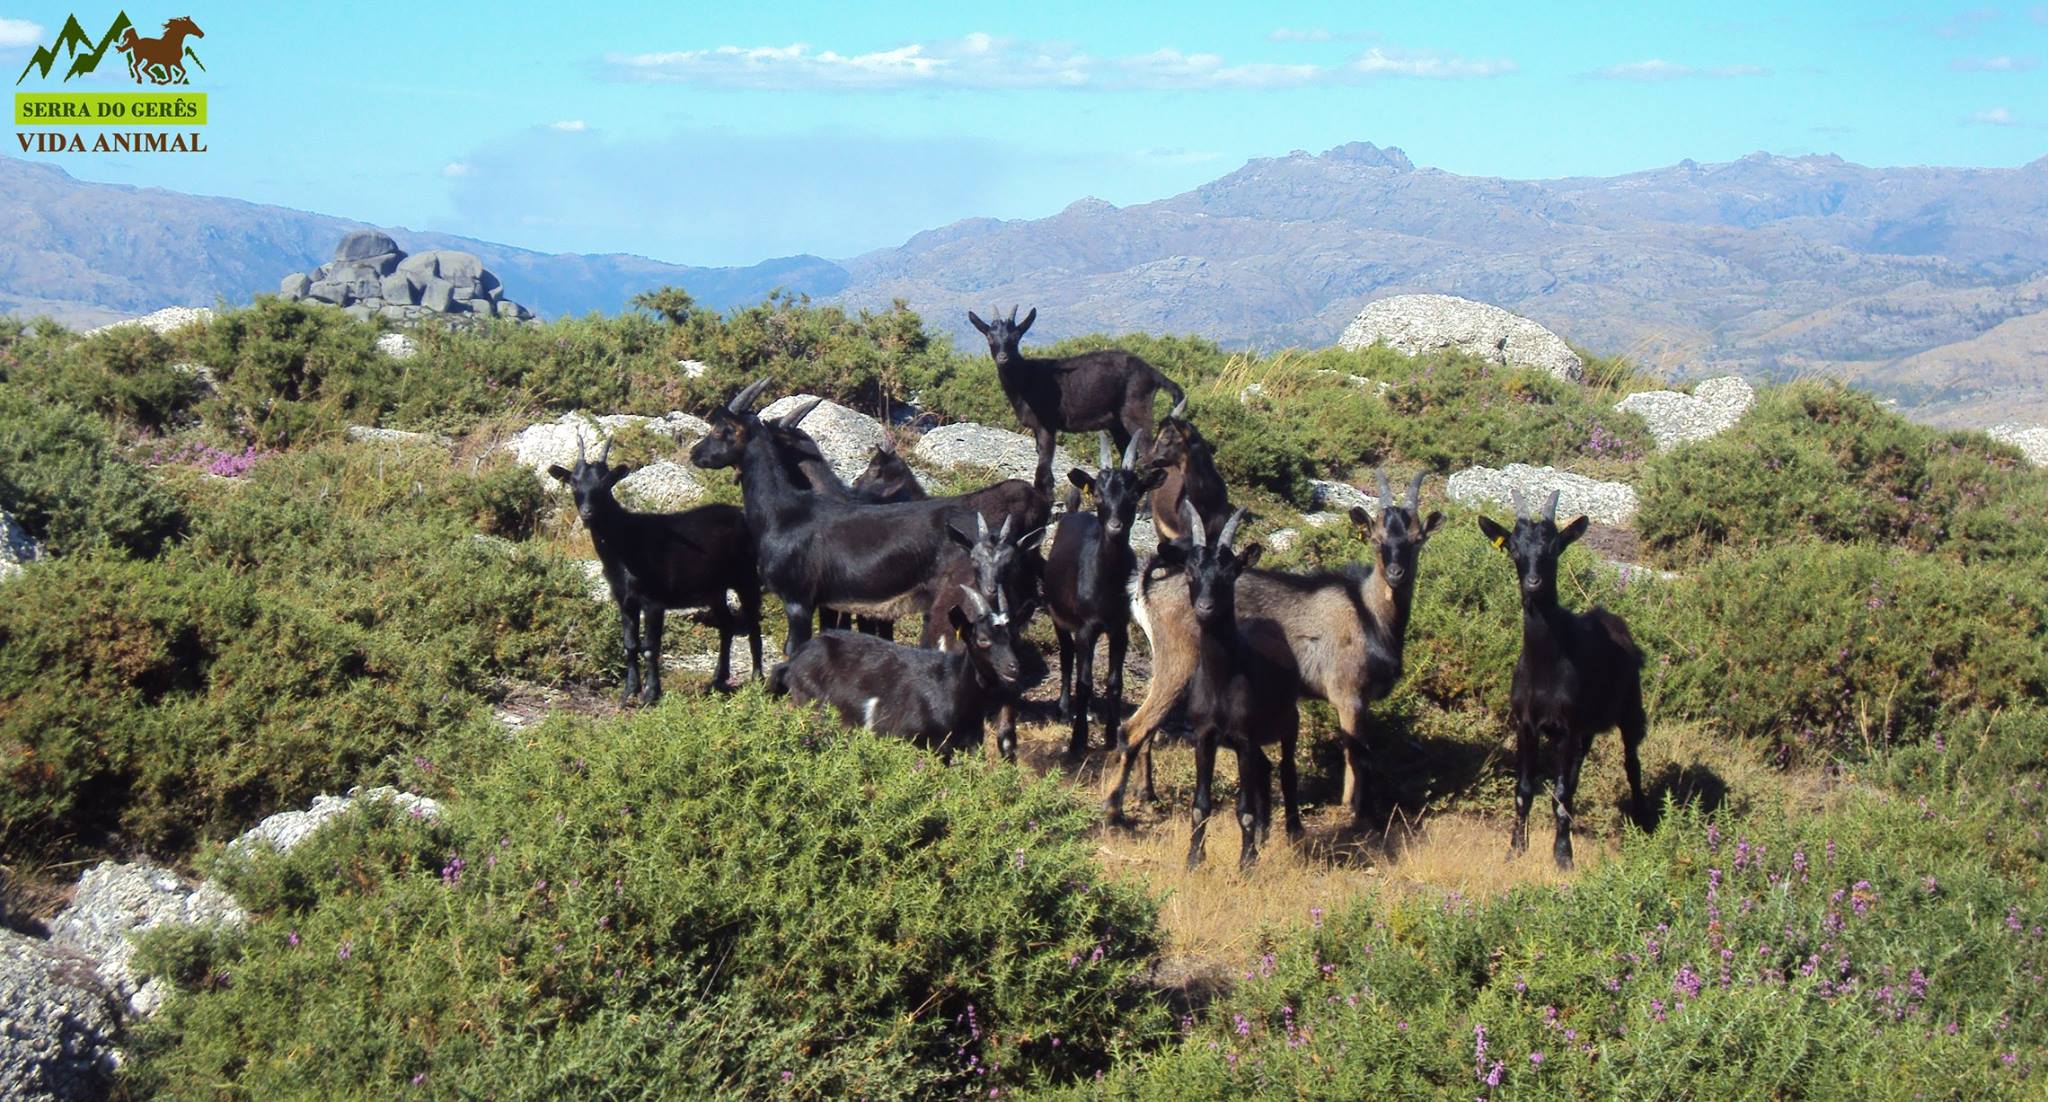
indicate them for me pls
(1928, 284)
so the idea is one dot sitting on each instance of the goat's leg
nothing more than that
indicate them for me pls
(650, 689)
(1205, 775)
(1525, 786)
(1357, 791)
(1571, 750)
(1084, 688)
(1113, 679)
(1254, 801)
(1134, 738)
(1151, 794)
(1041, 478)
(750, 611)
(1290, 780)
(1066, 642)
(797, 612)
(728, 626)
(1006, 731)
(1633, 727)
(629, 633)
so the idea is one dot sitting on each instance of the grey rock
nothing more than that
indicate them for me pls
(398, 346)
(509, 309)
(167, 320)
(1606, 502)
(2031, 440)
(449, 264)
(692, 369)
(437, 294)
(294, 285)
(660, 487)
(365, 434)
(282, 832)
(359, 311)
(17, 547)
(554, 442)
(115, 901)
(324, 290)
(399, 288)
(847, 437)
(1319, 519)
(1282, 540)
(1713, 407)
(57, 1025)
(420, 267)
(1417, 324)
(363, 245)
(202, 374)
(1010, 454)
(1340, 497)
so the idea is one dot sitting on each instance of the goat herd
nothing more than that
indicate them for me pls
(1234, 648)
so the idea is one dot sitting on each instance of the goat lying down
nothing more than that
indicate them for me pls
(938, 699)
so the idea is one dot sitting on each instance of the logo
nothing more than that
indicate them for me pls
(167, 59)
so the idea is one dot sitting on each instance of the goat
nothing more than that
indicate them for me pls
(1189, 461)
(1000, 570)
(654, 562)
(1578, 675)
(1236, 696)
(815, 549)
(1087, 584)
(1106, 389)
(937, 698)
(887, 477)
(1339, 633)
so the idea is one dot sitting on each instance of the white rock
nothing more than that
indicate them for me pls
(57, 1024)
(692, 369)
(1607, 502)
(285, 830)
(1319, 519)
(1282, 540)
(1416, 324)
(660, 487)
(600, 590)
(847, 438)
(1010, 454)
(2031, 440)
(115, 901)
(1339, 497)
(398, 346)
(1674, 418)
(365, 434)
(554, 442)
(166, 320)
(201, 373)
(17, 547)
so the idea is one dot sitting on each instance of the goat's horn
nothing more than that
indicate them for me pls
(796, 416)
(980, 527)
(1415, 490)
(1108, 453)
(1003, 533)
(888, 443)
(1179, 407)
(1550, 507)
(1193, 520)
(1521, 510)
(1013, 312)
(1131, 454)
(1003, 600)
(1230, 528)
(744, 400)
(1386, 492)
(975, 598)
(579, 446)
(605, 452)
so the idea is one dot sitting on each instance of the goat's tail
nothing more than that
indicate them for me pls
(1180, 397)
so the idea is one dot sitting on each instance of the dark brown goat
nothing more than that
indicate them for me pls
(1189, 461)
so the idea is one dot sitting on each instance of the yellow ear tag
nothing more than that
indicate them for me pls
(1500, 543)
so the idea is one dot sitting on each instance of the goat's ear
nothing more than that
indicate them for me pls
(1494, 532)
(1028, 319)
(560, 472)
(974, 319)
(617, 475)
(1082, 479)
(1430, 525)
(1249, 556)
(1572, 531)
(1153, 478)
(1361, 518)
(959, 537)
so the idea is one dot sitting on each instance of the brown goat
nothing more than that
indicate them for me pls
(1339, 632)
(1189, 461)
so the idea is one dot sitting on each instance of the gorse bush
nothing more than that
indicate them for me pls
(62, 478)
(129, 375)
(1822, 461)
(294, 371)
(712, 899)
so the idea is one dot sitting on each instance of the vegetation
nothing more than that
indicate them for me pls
(240, 610)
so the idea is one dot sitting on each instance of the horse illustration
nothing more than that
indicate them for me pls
(161, 59)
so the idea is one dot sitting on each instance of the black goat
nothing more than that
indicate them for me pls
(1341, 633)
(814, 549)
(939, 699)
(1106, 389)
(654, 562)
(887, 477)
(1189, 461)
(1002, 571)
(1237, 697)
(1579, 674)
(1087, 584)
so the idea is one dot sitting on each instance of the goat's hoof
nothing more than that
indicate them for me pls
(1295, 832)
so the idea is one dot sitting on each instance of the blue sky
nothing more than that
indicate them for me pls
(726, 134)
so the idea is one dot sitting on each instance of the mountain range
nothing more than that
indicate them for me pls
(1927, 284)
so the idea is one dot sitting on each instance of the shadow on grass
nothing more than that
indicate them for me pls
(1694, 785)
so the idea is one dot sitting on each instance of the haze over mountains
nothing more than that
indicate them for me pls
(1929, 284)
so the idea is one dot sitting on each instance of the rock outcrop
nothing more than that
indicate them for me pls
(1606, 502)
(1339, 497)
(2031, 440)
(370, 276)
(1010, 454)
(115, 901)
(554, 442)
(57, 1025)
(1417, 324)
(660, 487)
(1674, 418)
(17, 547)
(166, 320)
(848, 438)
(283, 831)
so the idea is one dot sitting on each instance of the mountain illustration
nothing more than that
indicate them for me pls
(77, 45)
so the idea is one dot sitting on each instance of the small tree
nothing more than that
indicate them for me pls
(672, 304)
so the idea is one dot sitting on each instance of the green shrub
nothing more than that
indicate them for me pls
(63, 480)
(125, 375)
(718, 898)
(1863, 953)
(1816, 460)
(293, 371)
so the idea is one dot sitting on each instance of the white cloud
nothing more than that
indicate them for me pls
(1656, 68)
(2003, 63)
(19, 32)
(570, 126)
(455, 170)
(1995, 116)
(982, 62)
